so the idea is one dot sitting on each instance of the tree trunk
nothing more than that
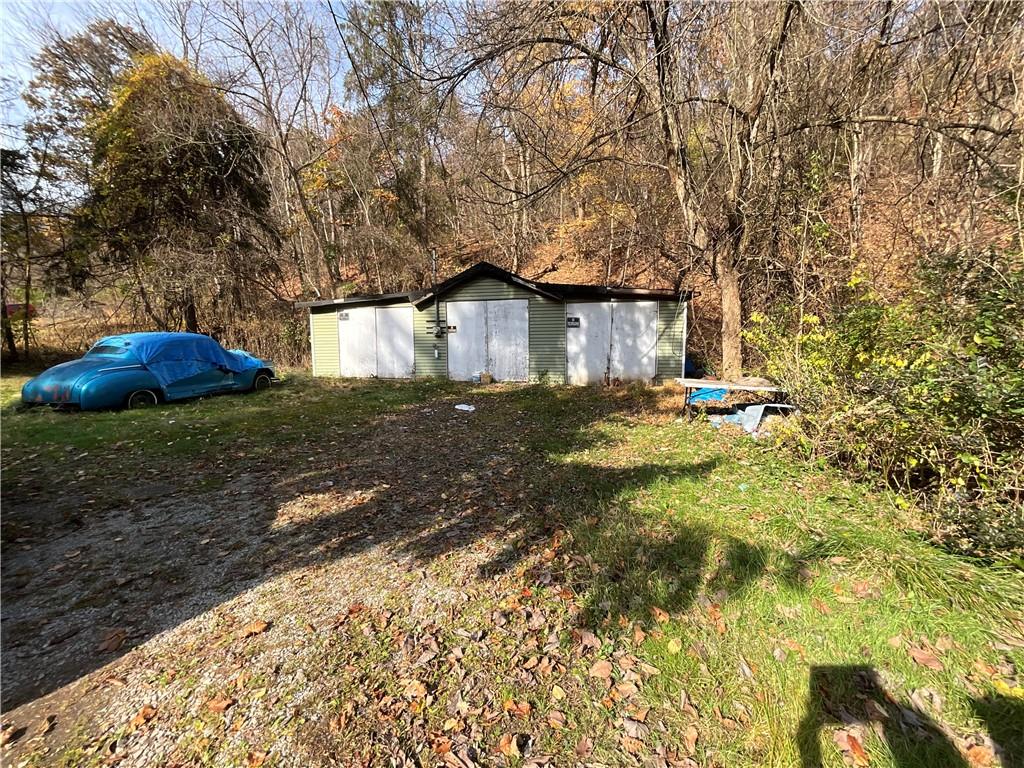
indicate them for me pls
(732, 314)
(191, 315)
(8, 330)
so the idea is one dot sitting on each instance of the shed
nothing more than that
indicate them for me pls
(487, 319)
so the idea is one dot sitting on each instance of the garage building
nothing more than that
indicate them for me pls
(486, 319)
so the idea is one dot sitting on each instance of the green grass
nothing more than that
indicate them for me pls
(791, 596)
(802, 565)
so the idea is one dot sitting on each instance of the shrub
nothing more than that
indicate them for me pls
(926, 395)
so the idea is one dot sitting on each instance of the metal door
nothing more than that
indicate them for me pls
(467, 339)
(508, 339)
(634, 341)
(588, 342)
(357, 339)
(395, 356)
(492, 336)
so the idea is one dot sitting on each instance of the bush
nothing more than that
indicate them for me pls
(926, 395)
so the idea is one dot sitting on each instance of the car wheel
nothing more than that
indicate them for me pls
(261, 382)
(142, 398)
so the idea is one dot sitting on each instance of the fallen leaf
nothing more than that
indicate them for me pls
(925, 658)
(515, 744)
(601, 669)
(518, 708)
(639, 713)
(557, 692)
(979, 756)
(144, 715)
(632, 746)
(626, 689)
(584, 747)
(255, 759)
(675, 645)
(851, 747)
(220, 704)
(508, 745)
(556, 719)
(659, 615)
(415, 690)
(254, 628)
(690, 739)
(634, 728)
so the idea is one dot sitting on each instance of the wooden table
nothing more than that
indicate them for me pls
(689, 385)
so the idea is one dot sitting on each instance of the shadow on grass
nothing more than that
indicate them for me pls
(417, 480)
(1004, 720)
(413, 479)
(847, 695)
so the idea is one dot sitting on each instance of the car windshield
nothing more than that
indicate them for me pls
(109, 350)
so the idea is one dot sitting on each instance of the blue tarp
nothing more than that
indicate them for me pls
(172, 357)
(749, 417)
(707, 394)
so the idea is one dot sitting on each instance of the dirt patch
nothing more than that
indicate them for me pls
(425, 519)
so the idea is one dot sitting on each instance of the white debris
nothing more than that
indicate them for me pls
(464, 407)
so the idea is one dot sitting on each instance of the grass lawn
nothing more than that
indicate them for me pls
(335, 574)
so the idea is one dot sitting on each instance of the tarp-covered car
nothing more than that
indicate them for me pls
(139, 369)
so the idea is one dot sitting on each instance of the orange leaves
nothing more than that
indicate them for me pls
(143, 716)
(850, 745)
(517, 708)
(601, 669)
(220, 704)
(659, 615)
(253, 628)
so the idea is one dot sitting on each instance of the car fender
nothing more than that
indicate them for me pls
(110, 387)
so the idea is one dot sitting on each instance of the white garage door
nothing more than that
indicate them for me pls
(634, 340)
(357, 336)
(491, 336)
(611, 340)
(587, 342)
(395, 356)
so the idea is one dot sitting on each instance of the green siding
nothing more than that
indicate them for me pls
(424, 340)
(487, 288)
(323, 332)
(547, 340)
(671, 344)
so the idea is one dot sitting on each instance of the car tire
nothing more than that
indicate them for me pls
(142, 398)
(261, 383)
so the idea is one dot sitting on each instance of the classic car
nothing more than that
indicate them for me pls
(134, 370)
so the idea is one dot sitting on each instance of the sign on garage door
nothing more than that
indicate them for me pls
(611, 340)
(492, 336)
(376, 341)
